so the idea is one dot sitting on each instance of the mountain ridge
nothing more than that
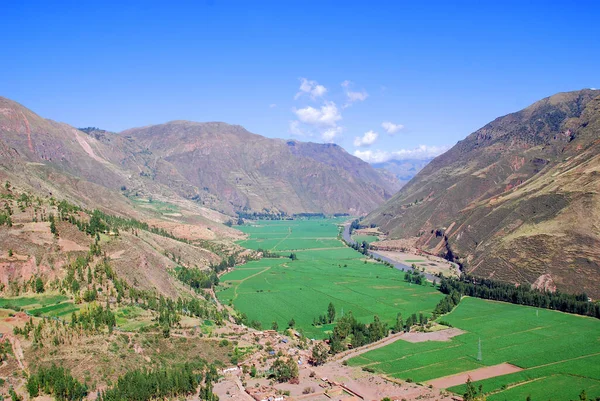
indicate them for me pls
(498, 202)
(171, 170)
(218, 156)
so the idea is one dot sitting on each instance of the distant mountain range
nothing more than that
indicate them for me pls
(403, 170)
(516, 200)
(214, 169)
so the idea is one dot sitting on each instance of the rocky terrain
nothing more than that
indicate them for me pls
(245, 171)
(516, 200)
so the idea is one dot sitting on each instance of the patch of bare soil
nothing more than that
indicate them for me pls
(442, 335)
(396, 244)
(8, 323)
(70, 246)
(475, 375)
(368, 231)
(187, 231)
(343, 380)
(429, 263)
(545, 283)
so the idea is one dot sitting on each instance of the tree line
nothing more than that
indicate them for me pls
(326, 318)
(177, 381)
(349, 331)
(196, 278)
(135, 385)
(56, 381)
(413, 276)
(522, 294)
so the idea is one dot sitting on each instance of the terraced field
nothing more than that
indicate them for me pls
(552, 348)
(325, 271)
(41, 305)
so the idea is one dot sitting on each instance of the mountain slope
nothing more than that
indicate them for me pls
(251, 172)
(203, 166)
(516, 200)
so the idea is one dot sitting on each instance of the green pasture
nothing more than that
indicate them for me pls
(367, 238)
(31, 302)
(132, 318)
(281, 289)
(62, 310)
(41, 305)
(553, 348)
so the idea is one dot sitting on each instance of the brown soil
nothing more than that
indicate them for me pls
(431, 264)
(544, 283)
(474, 375)
(442, 335)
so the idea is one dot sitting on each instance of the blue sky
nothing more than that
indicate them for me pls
(318, 71)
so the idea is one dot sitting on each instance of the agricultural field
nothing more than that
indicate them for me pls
(133, 318)
(367, 238)
(279, 289)
(41, 305)
(551, 348)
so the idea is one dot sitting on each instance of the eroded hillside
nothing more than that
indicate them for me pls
(516, 200)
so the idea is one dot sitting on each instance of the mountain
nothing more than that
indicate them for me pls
(403, 170)
(249, 172)
(210, 169)
(516, 200)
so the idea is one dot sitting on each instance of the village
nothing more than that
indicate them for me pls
(253, 377)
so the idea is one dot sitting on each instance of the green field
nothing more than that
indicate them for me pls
(560, 353)
(281, 289)
(132, 318)
(30, 302)
(368, 238)
(41, 305)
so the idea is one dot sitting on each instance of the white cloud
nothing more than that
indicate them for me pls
(391, 128)
(352, 96)
(420, 153)
(311, 88)
(332, 133)
(367, 139)
(326, 116)
(272, 105)
(295, 129)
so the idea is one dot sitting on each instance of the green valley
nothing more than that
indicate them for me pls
(325, 270)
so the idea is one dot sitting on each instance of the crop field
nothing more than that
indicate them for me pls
(62, 310)
(368, 238)
(41, 305)
(281, 289)
(30, 302)
(552, 348)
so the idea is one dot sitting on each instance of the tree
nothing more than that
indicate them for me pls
(473, 393)
(331, 312)
(33, 387)
(284, 371)
(319, 354)
(39, 285)
(291, 323)
(274, 325)
(53, 229)
(399, 326)
(293, 256)
(10, 253)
